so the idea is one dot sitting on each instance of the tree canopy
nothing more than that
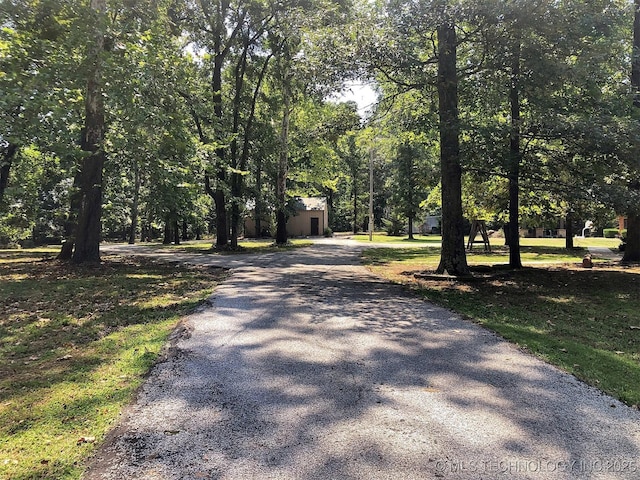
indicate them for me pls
(130, 120)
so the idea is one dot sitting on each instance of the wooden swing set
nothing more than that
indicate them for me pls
(479, 226)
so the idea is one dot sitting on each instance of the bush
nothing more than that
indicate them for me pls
(610, 232)
(394, 226)
(328, 232)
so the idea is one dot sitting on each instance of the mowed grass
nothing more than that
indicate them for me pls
(261, 245)
(496, 242)
(586, 321)
(379, 237)
(429, 257)
(75, 345)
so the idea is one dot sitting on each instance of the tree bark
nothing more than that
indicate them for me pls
(176, 232)
(88, 228)
(569, 228)
(632, 249)
(166, 238)
(258, 207)
(5, 166)
(70, 225)
(219, 197)
(135, 203)
(236, 177)
(453, 259)
(283, 165)
(185, 230)
(515, 157)
(355, 203)
(410, 227)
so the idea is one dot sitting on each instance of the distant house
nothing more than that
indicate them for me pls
(432, 224)
(310, 219)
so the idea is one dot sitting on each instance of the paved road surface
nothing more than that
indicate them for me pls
(305, 366)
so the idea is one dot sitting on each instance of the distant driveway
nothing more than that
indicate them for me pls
(306, 366)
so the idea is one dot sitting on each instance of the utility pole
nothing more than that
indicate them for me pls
(371, 195)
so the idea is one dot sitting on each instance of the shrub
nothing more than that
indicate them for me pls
(610, 232)
(394, 226)
(328, 232)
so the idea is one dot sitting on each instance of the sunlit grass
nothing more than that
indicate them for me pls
(430, 256)
(495, 242)
(380, 237)
(262, 245)
(76, 343)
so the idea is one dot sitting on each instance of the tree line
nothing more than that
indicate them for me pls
(129, 119)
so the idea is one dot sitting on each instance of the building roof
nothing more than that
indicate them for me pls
(311, 203)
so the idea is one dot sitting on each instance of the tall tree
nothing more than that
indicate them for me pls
(632, 250)
(453, 259)
(88, 227)
(426, 59)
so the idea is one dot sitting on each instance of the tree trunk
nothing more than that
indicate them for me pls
(185, 230)
(176, 232)
(258, 208)
(236, 177)
(635, 57)
(135, 204)
(5, 166)
(283, 167)
(166, 239)
(410, 227)
(632, 249)
(355, 205)
(453, 259)
(235, 224)
(568, 243)
(222, 229)
(331, 215)
(88, 228)
(66, 252)
(515, 156)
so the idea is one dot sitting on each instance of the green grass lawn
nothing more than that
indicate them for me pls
(261, 245)
(379, 237)
(430, 256)
(75, 344)
(578, 242)
(585, 321)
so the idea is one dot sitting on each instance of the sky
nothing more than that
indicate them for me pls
(360, 92)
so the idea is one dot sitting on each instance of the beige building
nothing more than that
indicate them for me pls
(310, 219)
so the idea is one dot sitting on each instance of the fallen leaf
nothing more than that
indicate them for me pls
(634, 327)
(82, 440)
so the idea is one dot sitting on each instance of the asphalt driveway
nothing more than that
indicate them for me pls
(306, 366)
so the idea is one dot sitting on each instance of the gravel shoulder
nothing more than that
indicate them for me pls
(306, 366)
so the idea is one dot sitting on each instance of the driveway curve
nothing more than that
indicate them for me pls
(306, 366)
